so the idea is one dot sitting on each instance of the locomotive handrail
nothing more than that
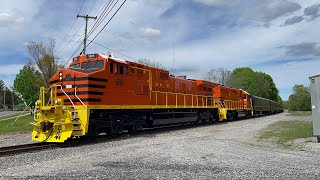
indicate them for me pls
(75, 93)
(203, 97)
(74, 114)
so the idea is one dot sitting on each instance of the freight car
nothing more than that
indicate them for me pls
(100, 93)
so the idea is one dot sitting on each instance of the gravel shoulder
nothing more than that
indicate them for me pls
(219, 151)
(15, 139)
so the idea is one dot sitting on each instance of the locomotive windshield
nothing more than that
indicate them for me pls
(92, 65)
(88, 67)
(75, 66)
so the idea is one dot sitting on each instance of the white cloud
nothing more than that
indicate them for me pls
(10, 69)
(218, 2)
(11, 19)
(8, 73)
(312, 12)
(150, 33)
(268, 11)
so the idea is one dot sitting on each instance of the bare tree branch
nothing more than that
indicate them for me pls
(218, 75)
(43, 59)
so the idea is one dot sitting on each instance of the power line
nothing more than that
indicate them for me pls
(113, 50)
(70, 27)
(74, 35)
(101, 29)
(108, 22)
(100, 12)
(77, 48)
(91, 7)
(103, 16)
(86, 17)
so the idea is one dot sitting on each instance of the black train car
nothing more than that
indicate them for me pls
(262, 106)
(275, 107)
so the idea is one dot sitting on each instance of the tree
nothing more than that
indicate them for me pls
(11, 97)
(150, 63)
(2, 86)
(218, 75)
(28, 83)
(300, 100)
(255, 83)
(243, 78)
(43, 59)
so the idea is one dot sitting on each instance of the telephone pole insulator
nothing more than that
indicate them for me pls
(86, 17)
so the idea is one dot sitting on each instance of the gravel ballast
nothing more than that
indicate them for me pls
(218, 151)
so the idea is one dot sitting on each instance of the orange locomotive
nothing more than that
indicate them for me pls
(100, 93)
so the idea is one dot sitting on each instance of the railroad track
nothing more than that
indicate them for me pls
(11, 150)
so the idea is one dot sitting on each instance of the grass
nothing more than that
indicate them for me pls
(21, 125)
(300, 113)
(284, 132)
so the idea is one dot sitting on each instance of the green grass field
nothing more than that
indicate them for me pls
(300, 113)
(284, 132)
(21, 125)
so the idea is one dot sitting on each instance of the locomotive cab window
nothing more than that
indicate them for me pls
(99, 64)
(111, 67)
(117, 68)
(88, 67)
(75, 66)
(127, 70)
(121, 69)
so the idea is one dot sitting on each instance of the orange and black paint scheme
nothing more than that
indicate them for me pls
(100, 93)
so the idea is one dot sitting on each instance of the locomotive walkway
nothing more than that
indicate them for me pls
(219, 151)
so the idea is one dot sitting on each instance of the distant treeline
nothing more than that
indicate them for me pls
(254, 82)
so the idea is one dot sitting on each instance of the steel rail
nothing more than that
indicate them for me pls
(25, 148)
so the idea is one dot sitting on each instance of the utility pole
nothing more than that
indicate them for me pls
(86, 17)
(55, 61)
(12, 98)
(4, 98)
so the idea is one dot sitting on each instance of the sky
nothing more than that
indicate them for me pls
(278, 37)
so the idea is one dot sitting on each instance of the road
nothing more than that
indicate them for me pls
(8, 113)
(218, 151)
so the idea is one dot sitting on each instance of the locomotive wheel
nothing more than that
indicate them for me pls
(92, 131)
(229, 116)
(132, 129)
(117, 128)
(235, 115)
(211, 120)
(248, 114)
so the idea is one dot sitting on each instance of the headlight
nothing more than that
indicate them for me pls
(60, 74)
(58, 101)
(38, 103)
